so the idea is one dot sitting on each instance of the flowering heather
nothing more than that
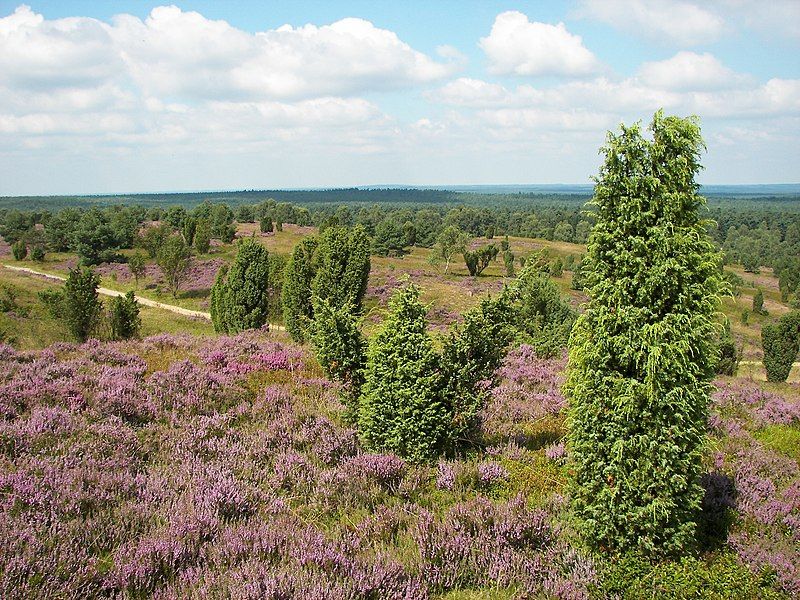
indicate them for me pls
(181, 467)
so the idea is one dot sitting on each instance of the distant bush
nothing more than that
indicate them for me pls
(728, 354)
(508, 261)
(81, 307)
(124, 317)
(19, 249)
(478, 260)
(781, 342)
(37, 253)
(202, 236)
(174, 258)
(758, 303)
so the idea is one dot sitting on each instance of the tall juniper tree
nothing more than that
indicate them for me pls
(642, 355)
(241, 296)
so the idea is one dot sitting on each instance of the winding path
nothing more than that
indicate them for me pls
(198, 314)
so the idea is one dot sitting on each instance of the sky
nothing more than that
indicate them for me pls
(141, 96)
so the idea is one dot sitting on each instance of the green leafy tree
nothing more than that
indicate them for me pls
(37, 253)
(189, 229)
(94, 240)
(244, 291)
(450, 243)
(642, 355)
(81, 308)
(154, 238)
(174, 259)
(557, 267)
(124, 317)
(564, 232)
(266, 224)
(278, 225)
(19, 249)
(341, 349)
(781, 342)
(202, 236)
(401, 409)
(137, 263)
(390, 238)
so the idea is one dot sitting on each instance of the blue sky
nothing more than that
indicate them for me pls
(99, 97)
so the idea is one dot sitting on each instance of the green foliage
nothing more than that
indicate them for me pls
(81, 306)
(189, 229)
(564, 232)
(642, 355)
(721, 577)
(174, 259)
(745, 318)
(401, 409)
(138, 266)
(541, 316)
(341, 349)
(508, 261)
(242, 296)
(471, 353)
(216, 300)
(479, 259)
(265, 225)
(758, 303)
(781, 342)
(578, 275)
(94, 240)
(278, 224)
(728, 355)
(124, 317)
(390, 238)
(19, 249)
(296, 294)
(154, 238)
(37, 253)
(53, 300)
(343, 266)
(557, 267)
(202, 236)
(450, 242)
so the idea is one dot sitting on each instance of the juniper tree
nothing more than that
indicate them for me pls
(124, 317)
(781, 342)
(642, 355)
(242, 295)
(401, 409)
(81, 304)
(296, 294)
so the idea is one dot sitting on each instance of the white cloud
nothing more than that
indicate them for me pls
(690, 71)
(518, 46)
(681, 23)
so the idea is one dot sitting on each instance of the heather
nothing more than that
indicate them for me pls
(186, 467)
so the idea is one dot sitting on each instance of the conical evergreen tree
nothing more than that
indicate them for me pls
(296, 292)
(246, 288)
(401, 409)
(642, 355)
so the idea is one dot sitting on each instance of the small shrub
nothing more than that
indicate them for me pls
(124, 317)
(19, 249)
(758, 303)
(37, 253)
(781, 342)
(81, 306)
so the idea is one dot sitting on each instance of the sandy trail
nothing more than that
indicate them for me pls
(141, 300)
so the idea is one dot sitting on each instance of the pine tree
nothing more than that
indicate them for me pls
(642, 355)
(401, 409)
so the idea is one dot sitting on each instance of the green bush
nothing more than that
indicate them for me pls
(298, 309)
(642, 354)
(508, 261)
(401, 409)
(780, 342)
(202, 236)
(174, 258)
(241, 297)
(341, 349)
(542, 317)
(758, 303)
(478, 260)
(19, 249)
(728, 355)
(124, 317)
(81, 308)
(37, 253)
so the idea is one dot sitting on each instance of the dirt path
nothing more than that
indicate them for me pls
(107, 292)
